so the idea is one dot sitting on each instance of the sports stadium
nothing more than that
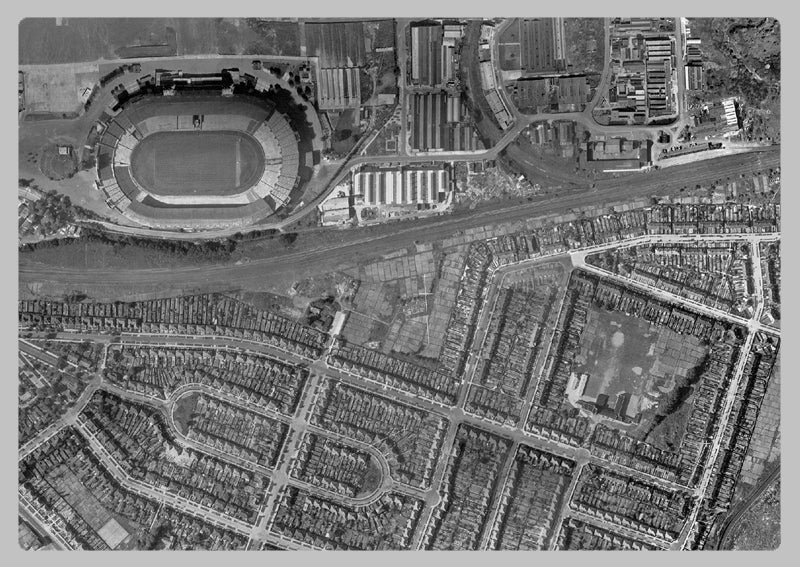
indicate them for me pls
(197, 161)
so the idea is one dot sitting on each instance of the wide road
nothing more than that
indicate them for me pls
(346, 248)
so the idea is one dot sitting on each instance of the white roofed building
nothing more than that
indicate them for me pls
(407, 186)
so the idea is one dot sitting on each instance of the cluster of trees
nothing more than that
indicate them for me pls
(672, 402)
(744, 61)
(384, 34)
(207, 250)
(285, 238)
(320, 313)
(366, 86)
(52, 213)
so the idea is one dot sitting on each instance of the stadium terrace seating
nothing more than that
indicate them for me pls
(127, 141)
(268, 142)
(142, 128)
(125, 181)
(227, 122)
(115, 130)
(148, 116)
(115, 197)
(122, 157)
(106, 174)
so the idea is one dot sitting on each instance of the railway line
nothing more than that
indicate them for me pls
(346, 248)
(741, 509)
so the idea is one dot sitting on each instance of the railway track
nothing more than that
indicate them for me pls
(740, 509)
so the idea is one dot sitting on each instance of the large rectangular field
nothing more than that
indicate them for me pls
(72, 40)
(195, 163)
(624, 354)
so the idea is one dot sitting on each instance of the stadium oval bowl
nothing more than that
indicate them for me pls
(197, 162)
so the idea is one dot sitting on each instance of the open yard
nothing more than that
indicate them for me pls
(623, 354)
(585, 44)
(58, 89)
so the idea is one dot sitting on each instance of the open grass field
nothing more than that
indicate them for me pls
(184, 410)
(372, 478)
(626, 354)
(197, 163)
(56, 166)
(42, 40)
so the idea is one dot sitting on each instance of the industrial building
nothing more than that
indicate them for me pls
(642, 69)
(452, 36)
(716, 119)
(437, 123)
(403, 186)
(695, 77)
(339, 88)
(694, 54)
(561, 93)
(731, 117)
(542, 46)
(334, 211)
(426, 54)
(615, 154)
(487, 75)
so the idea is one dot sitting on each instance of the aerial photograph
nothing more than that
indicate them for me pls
(428, 283)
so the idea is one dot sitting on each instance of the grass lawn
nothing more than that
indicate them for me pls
(42, 41)
(372, 478)
(668, 434)
(197, 163)
(183, 411)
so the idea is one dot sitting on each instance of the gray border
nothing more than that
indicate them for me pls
(17, 11)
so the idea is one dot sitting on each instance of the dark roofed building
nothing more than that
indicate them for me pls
(695, 78)
(426, 54)
(621, 407)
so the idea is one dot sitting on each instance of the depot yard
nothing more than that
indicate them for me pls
(197, 163)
